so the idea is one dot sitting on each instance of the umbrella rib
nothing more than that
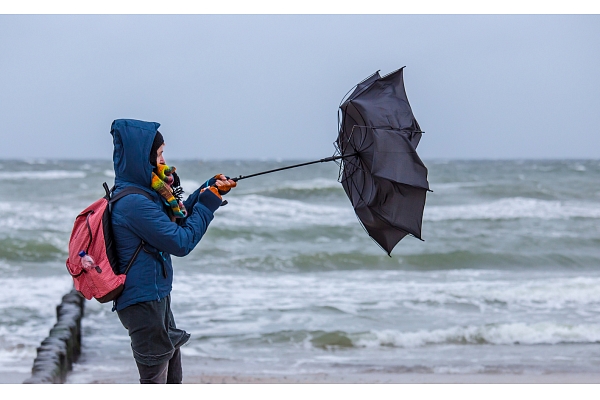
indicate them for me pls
(361, 116)
(364, 137)
(348, 92)
(343, 150)
(360, 196)
(356, 168)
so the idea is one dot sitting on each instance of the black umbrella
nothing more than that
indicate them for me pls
(380, 170)
(381, 173)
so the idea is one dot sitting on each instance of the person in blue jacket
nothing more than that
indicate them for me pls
(167, 226)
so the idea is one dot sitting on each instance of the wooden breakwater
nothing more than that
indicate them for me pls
(57, 353)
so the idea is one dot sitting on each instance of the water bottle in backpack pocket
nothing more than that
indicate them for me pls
(87, 262)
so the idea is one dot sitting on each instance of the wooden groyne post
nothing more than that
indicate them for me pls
(62, 347)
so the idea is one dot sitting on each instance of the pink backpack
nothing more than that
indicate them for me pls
(92, 234)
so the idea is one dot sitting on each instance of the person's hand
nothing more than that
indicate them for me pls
(224, 184)
(221, 182)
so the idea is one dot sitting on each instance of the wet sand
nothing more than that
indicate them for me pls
(563, 378)
(228, 373)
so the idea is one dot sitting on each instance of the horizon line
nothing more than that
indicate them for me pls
(285, 159)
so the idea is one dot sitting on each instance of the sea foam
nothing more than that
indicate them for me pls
(513, 208)
(27, 316)
(263, 211)
(45, 175)
(39, 216)
(497, 334)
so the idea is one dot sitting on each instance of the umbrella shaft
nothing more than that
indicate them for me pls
(333, 158)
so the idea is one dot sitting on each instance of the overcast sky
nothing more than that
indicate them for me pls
(269, 86)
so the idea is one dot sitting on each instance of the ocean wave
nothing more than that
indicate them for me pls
(480, 255)
(495, 334)
(27, 312)
(43, 294)
(513, 208)
(406, 292)
(39, 249)
(189, 186)
(39, 216)
(45, 175)
(272, 259)
(312, 184)
(33, 161)
(531, 295)
(262, 211)
(490, 334)
(299, 189)
(289, 189)
(452, 186)
(349, 248)
(546, 294)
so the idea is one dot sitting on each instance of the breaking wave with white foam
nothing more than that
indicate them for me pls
(496, 334)
(513, 208)
(45, 175)
(262, 211)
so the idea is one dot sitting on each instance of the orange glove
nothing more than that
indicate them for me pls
(220, 185)
(224, 184)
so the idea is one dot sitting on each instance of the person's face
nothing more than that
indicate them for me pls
(159, 155)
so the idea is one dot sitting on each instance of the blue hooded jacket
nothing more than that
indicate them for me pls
(136, 218)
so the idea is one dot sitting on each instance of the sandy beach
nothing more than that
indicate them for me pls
(196, 371)
(398, 379)
(195, 377)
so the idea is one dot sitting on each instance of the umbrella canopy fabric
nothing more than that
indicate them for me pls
(381, 173)
(381, 102)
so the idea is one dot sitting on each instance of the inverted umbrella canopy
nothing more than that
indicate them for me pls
(380, 171)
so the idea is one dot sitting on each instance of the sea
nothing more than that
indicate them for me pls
(286, 282)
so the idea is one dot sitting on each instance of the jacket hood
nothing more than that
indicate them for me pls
(132, 141)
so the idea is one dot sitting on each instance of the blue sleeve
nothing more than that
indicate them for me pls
(146, 219)
(191, 200)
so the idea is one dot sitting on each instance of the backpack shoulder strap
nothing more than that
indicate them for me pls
(120, 195)
(137, 251)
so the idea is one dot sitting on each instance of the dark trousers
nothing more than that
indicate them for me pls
(167, 372)
(155, 340)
